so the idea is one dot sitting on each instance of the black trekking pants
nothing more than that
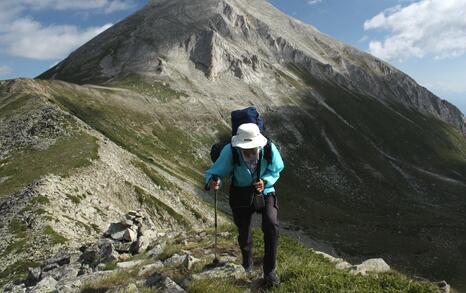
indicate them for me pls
(240, 203)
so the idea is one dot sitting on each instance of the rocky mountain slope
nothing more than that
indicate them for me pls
(375, 164)
(62, 181)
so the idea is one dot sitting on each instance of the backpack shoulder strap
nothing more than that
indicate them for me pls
(235, 155)
(268, 152)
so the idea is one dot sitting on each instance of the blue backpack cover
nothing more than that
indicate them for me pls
(248, 115)
(238, 117)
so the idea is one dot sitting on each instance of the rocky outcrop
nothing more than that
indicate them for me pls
(75, 271)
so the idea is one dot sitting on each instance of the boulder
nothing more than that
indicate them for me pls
(444, 287)
(175, 259)
(127, 223)
(343, 265)
(46, 285)
(85, 269)
(12, 288)
(169, 286)
(120, 235)
(60, 260)
(157, 249)
(140, 245)
(33, 277)
(163, 284)
(373, 265)
(114, 230)
(226, 271)
(188, 261)
(66, 272)
(104, 251)
(147, 269)
(128, 264)
(107, 253)
(70, 286)
(129, 235)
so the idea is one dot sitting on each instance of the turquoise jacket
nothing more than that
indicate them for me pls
(269, 173)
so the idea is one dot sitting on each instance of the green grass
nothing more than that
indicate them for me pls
(122, 277)
(15, 271)
(152, 174)
(219, 285)
(150, 137)
(302, 270)
(18, 228)
(40, 200)
(154, 89)
(75, 199)
(55, 237)
(23, 167)
(155, 205)
(21, 243)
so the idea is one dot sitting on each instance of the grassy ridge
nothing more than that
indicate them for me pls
(151, 137)
(67, 153)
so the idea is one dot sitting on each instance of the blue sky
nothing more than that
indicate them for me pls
(424, 38)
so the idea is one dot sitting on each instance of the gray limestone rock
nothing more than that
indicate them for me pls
(188, 261)
(129, 264)
(164, 284)
(129, 234)
(444, 287)
(226, 271)
(46, 285)
(157, 249)
(34, 276)
(175, 259)
(373, 265)
(140, 245)
(150, 268)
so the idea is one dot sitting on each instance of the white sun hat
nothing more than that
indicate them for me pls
(248, 137)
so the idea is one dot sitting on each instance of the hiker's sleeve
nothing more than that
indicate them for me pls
(222, 167)
(272, 173)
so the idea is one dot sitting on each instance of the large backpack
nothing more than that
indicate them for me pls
(238, 117)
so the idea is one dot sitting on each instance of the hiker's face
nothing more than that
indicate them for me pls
(250, 153)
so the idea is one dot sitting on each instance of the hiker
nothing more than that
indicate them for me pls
(255, 165)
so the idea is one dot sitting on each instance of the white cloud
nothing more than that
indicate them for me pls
(434, 28)
(5, 70)
(30, 39)
(107, 6)
(22, 36)
(312, 2)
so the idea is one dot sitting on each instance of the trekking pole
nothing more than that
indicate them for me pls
(216, 260)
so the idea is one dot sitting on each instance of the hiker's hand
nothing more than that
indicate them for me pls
(215, 184)
(259, 185)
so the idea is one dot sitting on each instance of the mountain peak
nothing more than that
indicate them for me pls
(241, 42)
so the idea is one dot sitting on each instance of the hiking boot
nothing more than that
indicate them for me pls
(248, 268)
(271, 279)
